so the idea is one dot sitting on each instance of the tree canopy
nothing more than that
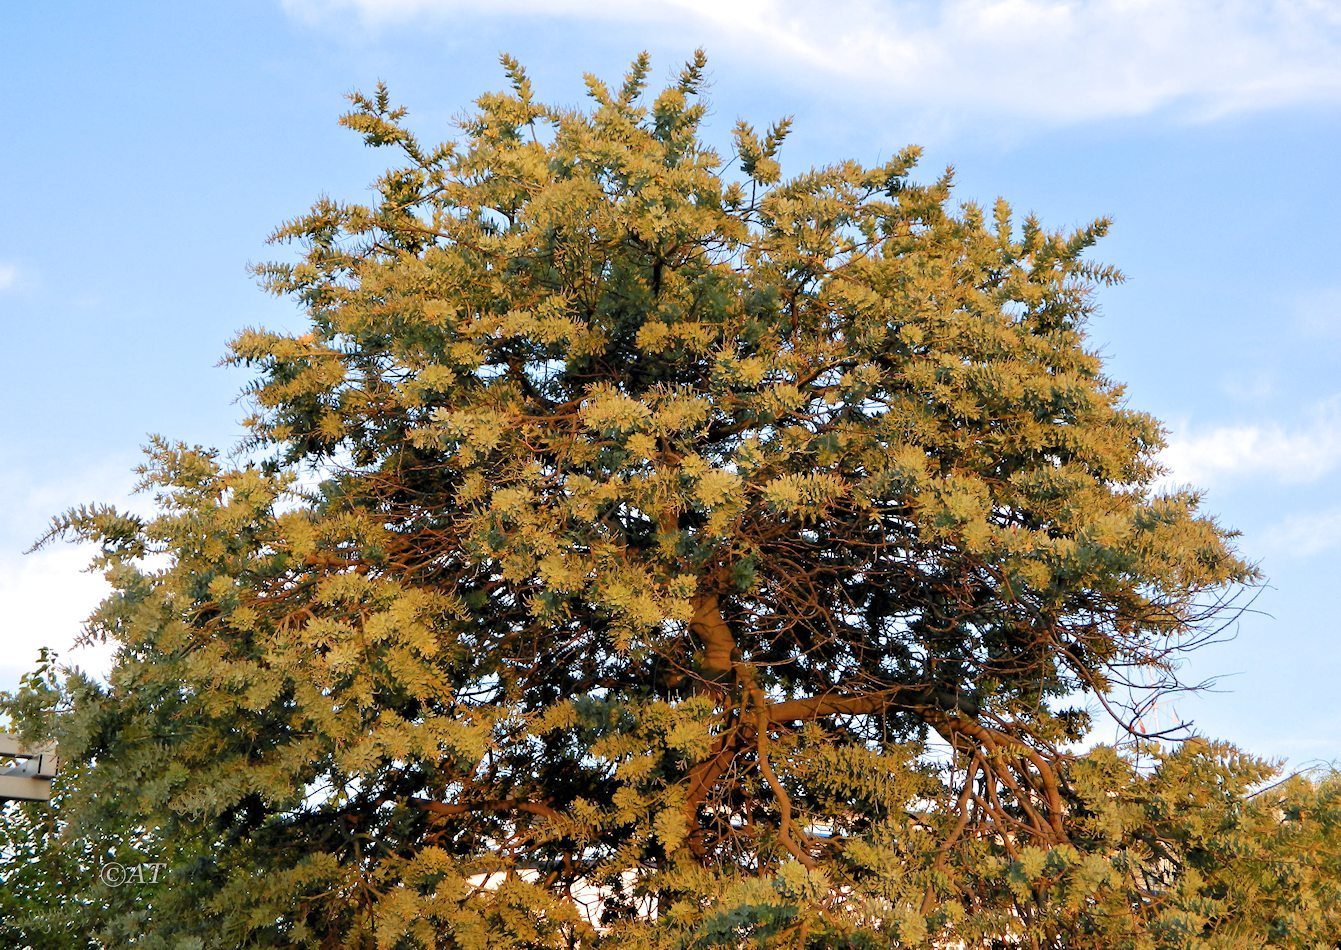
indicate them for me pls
(641, 547)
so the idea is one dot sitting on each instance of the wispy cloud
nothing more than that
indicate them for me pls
(1320, 314)
(1053, 60)
(1304, 535)
(9, 276)
(1286, 454)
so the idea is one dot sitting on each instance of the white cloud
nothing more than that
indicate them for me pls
(1223, 454)
(46, 596)
(9, 276)
(44, 599)
(1054, 60)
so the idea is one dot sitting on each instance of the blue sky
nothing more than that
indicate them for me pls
(150, 148)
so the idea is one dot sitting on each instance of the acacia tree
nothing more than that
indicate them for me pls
(735, 556)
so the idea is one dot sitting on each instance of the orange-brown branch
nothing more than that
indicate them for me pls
(719, 644)
(454, 809)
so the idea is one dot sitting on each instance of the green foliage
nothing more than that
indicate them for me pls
(725, 554)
